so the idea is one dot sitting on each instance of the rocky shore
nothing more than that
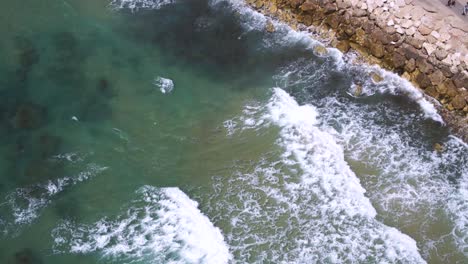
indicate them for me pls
(421, 44)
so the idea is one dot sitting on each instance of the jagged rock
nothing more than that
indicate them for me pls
(424, 30)
(415, 42)
(458, 102)
(429, 48)
(424, 66)
(410, 65)
(460, 79)
(398, 60)
(343, 46)
(441, 54)
(423, 80)
(436, 77)
(451, 89)
(431, 90)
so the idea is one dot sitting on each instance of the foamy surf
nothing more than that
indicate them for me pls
(24, 205)
(165, 85)
(160, 226)
(286, 36)
(312, 206)
(135, 5)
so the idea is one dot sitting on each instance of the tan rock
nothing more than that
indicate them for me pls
(438, 147)
(458, 102)
(343, 46)
(424, 30)
(376, 77)
(406, 24)
(423, 81)
(436, 77)
(320, 50)
(410, 65)
(430, 48)
(377, 49)
(270, 27)
(431, 91)
(441, 54)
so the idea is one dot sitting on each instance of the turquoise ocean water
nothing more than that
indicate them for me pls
(180, 131)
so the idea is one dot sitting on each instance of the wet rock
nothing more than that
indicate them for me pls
(270, 27)
(376, 77)
(438, 147)
(343, 46)
(357, 90)
(104, 88)
(320, 50)
(29, 116)
(432, 91)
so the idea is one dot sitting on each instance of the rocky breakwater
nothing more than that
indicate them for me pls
(421, 43)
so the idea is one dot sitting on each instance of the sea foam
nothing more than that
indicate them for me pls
(303, 202)
(160, 226)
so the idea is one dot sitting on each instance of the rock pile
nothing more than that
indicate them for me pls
(414, 40)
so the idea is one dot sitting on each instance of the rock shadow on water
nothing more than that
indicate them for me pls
(27, 56)
(25, 256)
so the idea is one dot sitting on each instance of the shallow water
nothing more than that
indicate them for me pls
(181, 132)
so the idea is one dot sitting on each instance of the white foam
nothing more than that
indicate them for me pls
(161, 226)
(303, 204)
(25, 204)
(393, 84)
(135, 5)
(165, 85)
(404, 179)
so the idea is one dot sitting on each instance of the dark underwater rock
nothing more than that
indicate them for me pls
(29, 116)
(105, 88)
(26, 256)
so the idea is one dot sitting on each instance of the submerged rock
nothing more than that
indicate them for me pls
(104, 88)
(26, 256)
(29, 116)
